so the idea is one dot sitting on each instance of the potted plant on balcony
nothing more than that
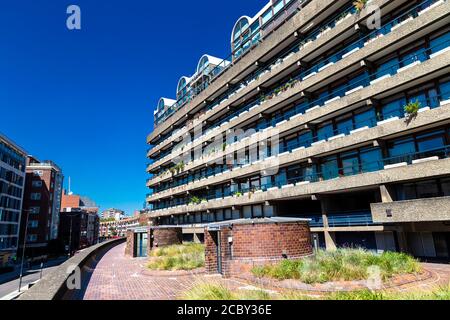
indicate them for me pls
(359, 5)
(195, 200)
(411, 110)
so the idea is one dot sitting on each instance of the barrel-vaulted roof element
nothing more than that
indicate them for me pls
(164, 102)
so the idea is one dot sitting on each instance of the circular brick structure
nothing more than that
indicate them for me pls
(237, 246)
(165, 236)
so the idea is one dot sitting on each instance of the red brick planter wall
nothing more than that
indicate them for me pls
(165, 237)
(256, 244)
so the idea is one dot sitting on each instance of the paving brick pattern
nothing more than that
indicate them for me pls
(119, 277)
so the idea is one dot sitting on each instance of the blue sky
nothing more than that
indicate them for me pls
(85, 99)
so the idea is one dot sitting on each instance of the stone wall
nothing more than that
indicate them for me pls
(256, 244)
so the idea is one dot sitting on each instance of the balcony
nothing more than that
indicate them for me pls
(419, 210)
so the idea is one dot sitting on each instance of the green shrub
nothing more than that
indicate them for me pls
(179, 257)
(340, 265)
(412, 108)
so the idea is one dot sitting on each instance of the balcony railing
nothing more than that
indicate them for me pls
(421, 55)
(365, 167)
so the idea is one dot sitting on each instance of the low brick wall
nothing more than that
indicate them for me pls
(129, 248)
(53, 285)
(256, 244)
(160, 237)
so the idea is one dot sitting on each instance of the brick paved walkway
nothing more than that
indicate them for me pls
(117, 277)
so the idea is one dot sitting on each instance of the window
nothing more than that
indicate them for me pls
(325, 131)
(267, 16)
(35, 196)
(278, 6)
(440, 43)
(35, 210)
(247, 212)
(393, 109)
(33, 223)
(36, 184)
(402, 147)
(32, 238)
(365, 118)
(431, 141)
(38, 173)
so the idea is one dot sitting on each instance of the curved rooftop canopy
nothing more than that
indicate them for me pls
(182, 83)
(206, 60)
(241, 25)
(164, 102)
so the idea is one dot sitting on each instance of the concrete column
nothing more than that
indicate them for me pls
(402, 241)
(386, 195)
(330, 238)
(196, 238)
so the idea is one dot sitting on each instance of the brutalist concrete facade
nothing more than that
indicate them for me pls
(331, 118)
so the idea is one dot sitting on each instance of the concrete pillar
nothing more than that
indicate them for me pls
(402, 241)
(330, 240)
(330, 237)
(386, 195)
(196, 238)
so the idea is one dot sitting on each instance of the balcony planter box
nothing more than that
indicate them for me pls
(283, 154)
(281, 123)
(332, 100)
(359, 129)
(272, 189)
(342, 19)
(387, 121)
(312, 109)
(258, 191)
(298, 149)
(295, 116)
(401, 23)
(349, 53)
(354, 90)
(444, 103)
(415, 63)
(309, 75)
(423, 109)
(288, 186)
(336, 137)
(224, 124)
(245, 165)
(425, 160)
(317, 143)
(439, 52)
(302, 183)
(386, 76)
(373, 39)
(242, 113)
(395, 165)
(434, 5)
(326, 66)
(254, 107)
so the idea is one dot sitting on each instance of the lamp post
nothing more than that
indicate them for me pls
(24, 247)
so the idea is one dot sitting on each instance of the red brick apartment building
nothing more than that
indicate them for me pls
(41, 206)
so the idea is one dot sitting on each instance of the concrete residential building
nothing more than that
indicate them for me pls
(112, 213)
(42, 204)
(117, 228)
(316, 114)
(12, 184)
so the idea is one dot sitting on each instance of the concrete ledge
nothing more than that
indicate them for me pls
(431, 209)
(53, 285)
